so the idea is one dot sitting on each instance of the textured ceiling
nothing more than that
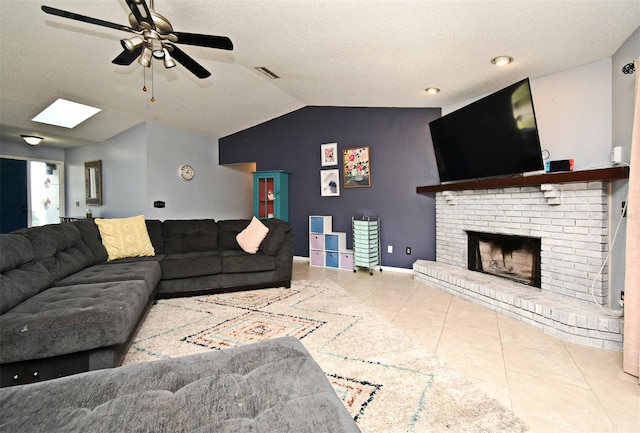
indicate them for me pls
(329, 53)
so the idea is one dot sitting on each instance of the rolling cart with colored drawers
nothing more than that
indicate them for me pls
(366, 242)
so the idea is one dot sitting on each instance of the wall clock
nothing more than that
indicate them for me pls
(186, 172)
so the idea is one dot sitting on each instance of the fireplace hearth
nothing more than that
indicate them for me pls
(516, 258)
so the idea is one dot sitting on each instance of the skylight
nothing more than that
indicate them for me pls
(65, 113)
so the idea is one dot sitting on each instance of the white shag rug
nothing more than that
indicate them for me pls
(387, 381)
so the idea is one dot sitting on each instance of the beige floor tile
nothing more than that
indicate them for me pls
(625, 425)
(558, 402)
(541, 425)
(473, 362)
(552, 385)
(617, 398)
(553, 366)
(457, 333)
(515, 332)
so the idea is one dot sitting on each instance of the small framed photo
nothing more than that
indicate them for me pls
(329, 154)
(356, 167)
(330, 183)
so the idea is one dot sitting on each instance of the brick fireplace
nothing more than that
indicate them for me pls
(569, 222)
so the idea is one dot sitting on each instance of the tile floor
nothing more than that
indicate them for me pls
(553, 385)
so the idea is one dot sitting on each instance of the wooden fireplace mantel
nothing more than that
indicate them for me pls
(612, 173)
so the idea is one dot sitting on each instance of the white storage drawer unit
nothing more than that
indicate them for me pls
(366, 242)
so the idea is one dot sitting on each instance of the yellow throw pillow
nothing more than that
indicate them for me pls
(125, 237)
(250, 238)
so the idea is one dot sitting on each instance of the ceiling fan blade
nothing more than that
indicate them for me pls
(140, 18)
(86, 19)
(127, 57)
(221, 42)
(186, 61)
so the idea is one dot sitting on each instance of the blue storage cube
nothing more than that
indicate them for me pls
(332, 259)
(331, 242)
(317, 225)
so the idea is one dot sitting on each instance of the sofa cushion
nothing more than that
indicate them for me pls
(21, 274)
(71, 319)
(182, 236)
(252, 236)
(60, 248)
(154, 228)
(234, 262)
(91, 236)
(278, 230)
(273, 386)
(147, 271)
(125, 237)
(193, 264)
(228, 231)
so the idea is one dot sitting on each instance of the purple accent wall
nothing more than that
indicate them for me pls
(401, 155)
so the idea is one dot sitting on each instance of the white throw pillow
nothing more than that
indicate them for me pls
(250, 238)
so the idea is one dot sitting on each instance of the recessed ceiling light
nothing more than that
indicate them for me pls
(432, 90)
(502, 60)
(65, 113)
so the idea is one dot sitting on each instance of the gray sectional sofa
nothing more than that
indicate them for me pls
(64, 308)
(274, 386)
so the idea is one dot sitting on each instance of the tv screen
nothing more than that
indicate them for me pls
(494, 136)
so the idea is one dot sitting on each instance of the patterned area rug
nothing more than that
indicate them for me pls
(387, 382)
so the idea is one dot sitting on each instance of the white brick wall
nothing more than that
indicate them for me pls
(570, 219)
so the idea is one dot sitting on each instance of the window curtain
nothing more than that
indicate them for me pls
(631, 345)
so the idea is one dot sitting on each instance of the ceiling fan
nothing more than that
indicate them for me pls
(154, 38)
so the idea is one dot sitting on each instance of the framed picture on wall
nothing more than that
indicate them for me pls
(356, 167)
(329, 154)
(330, 183)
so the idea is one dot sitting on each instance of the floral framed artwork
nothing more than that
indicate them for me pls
(330, 183)
(329, 154)
(356, 167)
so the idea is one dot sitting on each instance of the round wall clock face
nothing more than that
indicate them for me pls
(186, 172)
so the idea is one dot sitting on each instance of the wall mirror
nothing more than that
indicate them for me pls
(93, 182)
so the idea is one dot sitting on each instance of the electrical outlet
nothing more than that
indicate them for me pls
(77, 203)
(390, 249)
(408, 250)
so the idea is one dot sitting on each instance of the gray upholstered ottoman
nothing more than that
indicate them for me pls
(269, 387)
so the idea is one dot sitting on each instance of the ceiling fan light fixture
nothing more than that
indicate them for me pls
(168, 60)
(145, 57)
(32, 140)
(157, 49)
(132, 44)
(502, 60)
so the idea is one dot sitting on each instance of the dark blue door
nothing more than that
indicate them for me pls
(13, 195)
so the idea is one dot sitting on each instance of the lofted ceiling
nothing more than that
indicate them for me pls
(328, 53)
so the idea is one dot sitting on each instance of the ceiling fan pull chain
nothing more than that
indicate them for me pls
(153, 98)
(144, 78)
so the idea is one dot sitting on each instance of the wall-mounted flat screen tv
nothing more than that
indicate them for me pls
(494, 136)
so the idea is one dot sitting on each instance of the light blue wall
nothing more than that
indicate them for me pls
(140, 166)
(123, 175)
(214, 192)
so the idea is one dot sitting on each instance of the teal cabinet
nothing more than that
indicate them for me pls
(271, 194)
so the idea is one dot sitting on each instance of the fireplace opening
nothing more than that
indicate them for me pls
(516, 258)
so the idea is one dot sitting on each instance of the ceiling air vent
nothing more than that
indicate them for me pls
(266, 72)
